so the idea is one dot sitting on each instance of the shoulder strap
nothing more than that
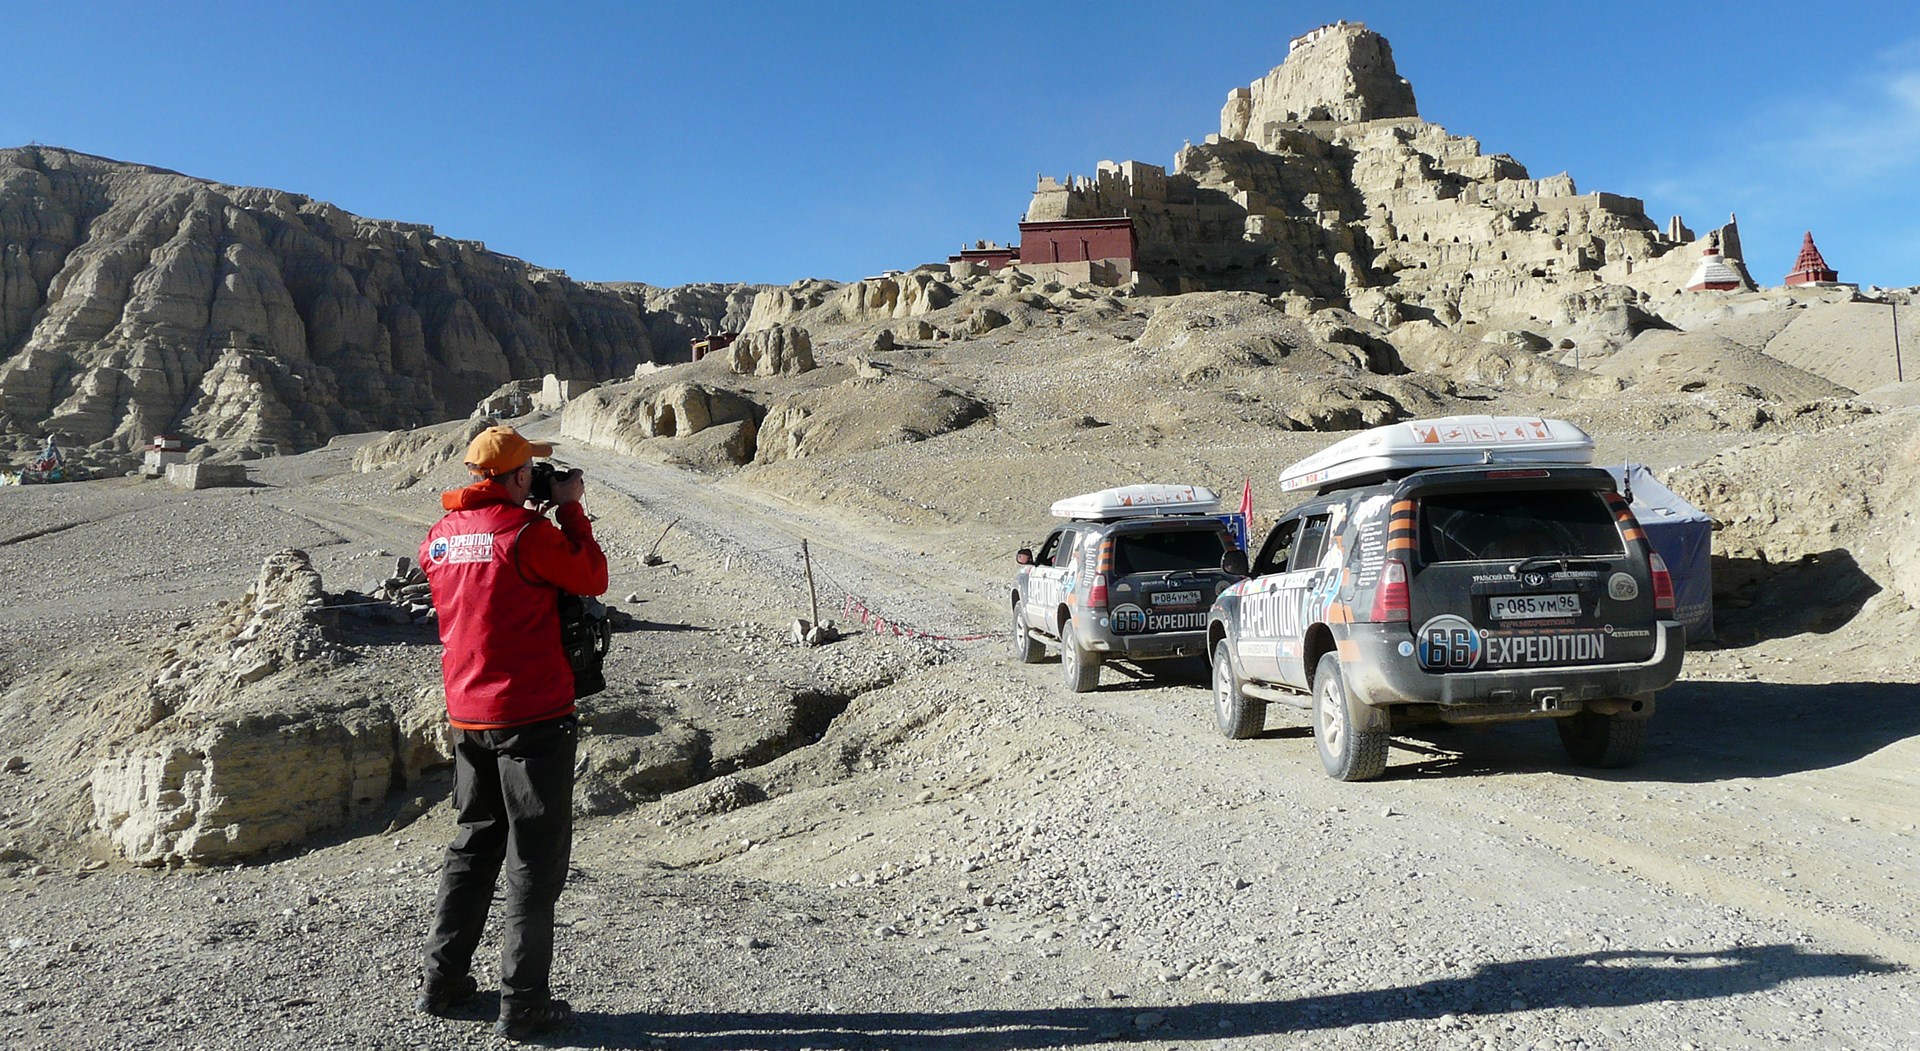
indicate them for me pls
(516, 552)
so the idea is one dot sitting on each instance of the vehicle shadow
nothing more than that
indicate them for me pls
(1591, 980)
(1702, 731)
(1119, 675)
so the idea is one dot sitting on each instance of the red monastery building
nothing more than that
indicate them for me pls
(1810, 268)
(1079, 251)
(1099, 251)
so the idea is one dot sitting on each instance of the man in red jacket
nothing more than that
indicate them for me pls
(497, 567)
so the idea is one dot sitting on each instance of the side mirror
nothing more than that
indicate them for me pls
(1234, 563)
(1024, 556)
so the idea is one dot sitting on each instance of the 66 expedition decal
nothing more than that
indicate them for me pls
(1130, 619)
(1450, 643)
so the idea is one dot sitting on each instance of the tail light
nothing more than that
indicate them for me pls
(1390, 601)
(1662, 584)
(1097, 587)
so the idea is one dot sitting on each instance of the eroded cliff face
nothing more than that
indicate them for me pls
(135, 300)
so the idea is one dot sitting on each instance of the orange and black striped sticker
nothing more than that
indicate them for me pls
(1400, 527)
(1623, 514)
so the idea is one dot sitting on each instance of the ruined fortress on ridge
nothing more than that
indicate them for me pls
(1324, 180)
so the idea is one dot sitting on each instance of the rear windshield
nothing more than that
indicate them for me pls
(1167, 550)
(1465, 527)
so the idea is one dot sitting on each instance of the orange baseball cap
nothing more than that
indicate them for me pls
(500, 449)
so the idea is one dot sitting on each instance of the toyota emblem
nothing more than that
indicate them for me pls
(1534, 580)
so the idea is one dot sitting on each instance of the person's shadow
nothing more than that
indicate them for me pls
(1585, 980)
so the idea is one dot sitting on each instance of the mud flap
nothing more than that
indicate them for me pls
(1368, 717)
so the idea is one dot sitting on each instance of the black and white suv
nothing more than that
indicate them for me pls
(1130, 575)
(1515, 586)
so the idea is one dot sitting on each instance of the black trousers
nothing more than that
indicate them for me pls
(513, 791)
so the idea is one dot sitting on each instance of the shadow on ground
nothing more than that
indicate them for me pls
(1594, 980)
(1702, 731)
(1755, 600)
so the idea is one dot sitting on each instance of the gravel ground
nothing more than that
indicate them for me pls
(970, 856)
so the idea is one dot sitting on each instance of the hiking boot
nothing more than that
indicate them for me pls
(518, 1023)
(440, 998)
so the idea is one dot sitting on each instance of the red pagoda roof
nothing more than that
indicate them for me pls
(1811, 268)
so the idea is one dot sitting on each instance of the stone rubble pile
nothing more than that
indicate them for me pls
(402, 597)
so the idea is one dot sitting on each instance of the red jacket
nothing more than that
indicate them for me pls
(497, 570)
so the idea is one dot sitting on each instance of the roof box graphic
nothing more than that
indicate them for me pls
(1450, 441)
(1137, 501)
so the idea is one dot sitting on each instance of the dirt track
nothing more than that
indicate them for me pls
(974, 858)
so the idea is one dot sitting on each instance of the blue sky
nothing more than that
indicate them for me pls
(768, 142)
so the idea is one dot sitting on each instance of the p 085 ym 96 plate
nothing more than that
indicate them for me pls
(1533, 607)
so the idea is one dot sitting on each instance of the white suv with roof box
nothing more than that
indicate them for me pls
(1131, 574)
(1461, 570)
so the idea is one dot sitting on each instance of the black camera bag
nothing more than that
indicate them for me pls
(586, 635)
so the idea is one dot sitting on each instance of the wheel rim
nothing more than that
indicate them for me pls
(1019, 632)
(1333, 715)
(1069, 656)
(1222, 690)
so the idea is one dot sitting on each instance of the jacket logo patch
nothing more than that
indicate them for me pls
(466, 547)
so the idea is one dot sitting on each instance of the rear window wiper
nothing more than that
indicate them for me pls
(1565, 563)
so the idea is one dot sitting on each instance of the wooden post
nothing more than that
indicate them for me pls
(1899, 374)
(813, 600)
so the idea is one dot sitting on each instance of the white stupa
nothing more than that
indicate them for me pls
(1715, 272)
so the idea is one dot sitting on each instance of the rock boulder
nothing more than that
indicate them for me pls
(242, 741)
(777, 350)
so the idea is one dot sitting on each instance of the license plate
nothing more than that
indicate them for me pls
(1175, 598)
(1532, 607)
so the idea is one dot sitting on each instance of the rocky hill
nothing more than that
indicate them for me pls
(1323, 179)
(136, 300)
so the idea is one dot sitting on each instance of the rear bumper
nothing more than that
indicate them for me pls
(1158, 644)
(1377, 674)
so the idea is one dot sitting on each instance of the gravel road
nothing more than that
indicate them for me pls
(974, 858)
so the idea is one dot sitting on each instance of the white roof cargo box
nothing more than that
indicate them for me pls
(1451, 441)
(1135, 501)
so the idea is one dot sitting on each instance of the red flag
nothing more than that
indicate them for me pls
(1246, 514)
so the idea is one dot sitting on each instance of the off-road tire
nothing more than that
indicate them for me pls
(1026, 648)
(1079, 668)
(1347, 752)
(1235, 714)
(1606, 742)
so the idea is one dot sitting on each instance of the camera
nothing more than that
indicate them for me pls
(544, 475)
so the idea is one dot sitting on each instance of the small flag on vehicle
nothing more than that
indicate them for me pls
(1241, 523)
